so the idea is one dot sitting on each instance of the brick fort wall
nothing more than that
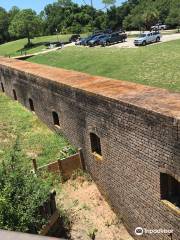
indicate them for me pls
(138, 127)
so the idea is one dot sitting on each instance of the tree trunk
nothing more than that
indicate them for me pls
(29, 39)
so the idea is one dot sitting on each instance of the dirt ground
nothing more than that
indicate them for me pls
(89, 214)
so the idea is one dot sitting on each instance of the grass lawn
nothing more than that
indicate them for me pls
(14, 48)
(156, 65)
(35, 138)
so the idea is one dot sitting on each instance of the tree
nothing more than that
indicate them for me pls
(4, 23)
(68, 17)
(59, 15)
(116, 15)
(163, 7)
(65, 16)
(12, 12)
(173, 18)
(25, 23)
(143, 14)
(108, 3)
(150, 17)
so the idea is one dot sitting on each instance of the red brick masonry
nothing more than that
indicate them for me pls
(138, 127)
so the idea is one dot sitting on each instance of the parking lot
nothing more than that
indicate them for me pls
(129, 43)
(166, 36)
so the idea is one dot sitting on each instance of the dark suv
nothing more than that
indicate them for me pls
(96, 40)
(85, 41)
(113, 38)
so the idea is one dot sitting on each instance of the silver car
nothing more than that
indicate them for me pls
(146, 38)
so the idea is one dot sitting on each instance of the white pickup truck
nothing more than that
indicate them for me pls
(159, 27)
(145, 38)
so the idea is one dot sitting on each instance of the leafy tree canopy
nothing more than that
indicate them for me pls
(173, 18)
(66, 16)
(4, 22)
(25, 23)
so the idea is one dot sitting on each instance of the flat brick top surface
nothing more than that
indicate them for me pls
(150, 98)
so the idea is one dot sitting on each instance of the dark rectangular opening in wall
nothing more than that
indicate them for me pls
(2, 87)
(95, 143)
(170, 189)
(55, 118)
(14, 95)
(31, 104)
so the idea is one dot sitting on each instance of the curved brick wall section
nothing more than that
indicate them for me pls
(138, 127)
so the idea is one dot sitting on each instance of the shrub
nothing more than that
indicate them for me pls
(21, 194)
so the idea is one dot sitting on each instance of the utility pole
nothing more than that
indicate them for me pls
(91, 3)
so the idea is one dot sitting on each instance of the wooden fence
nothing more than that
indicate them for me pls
(49, 211)
(48, 208)
(65, 167)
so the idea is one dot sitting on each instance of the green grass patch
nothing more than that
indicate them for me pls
(155, 65)
(15, 48)
(35, 138)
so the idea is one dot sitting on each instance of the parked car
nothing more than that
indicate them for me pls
(159, 26)
(96, 40)
(85, 41)
(74, 38)
(113, 38)
(146, 38)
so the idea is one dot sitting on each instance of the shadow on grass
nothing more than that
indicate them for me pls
(30, 46)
